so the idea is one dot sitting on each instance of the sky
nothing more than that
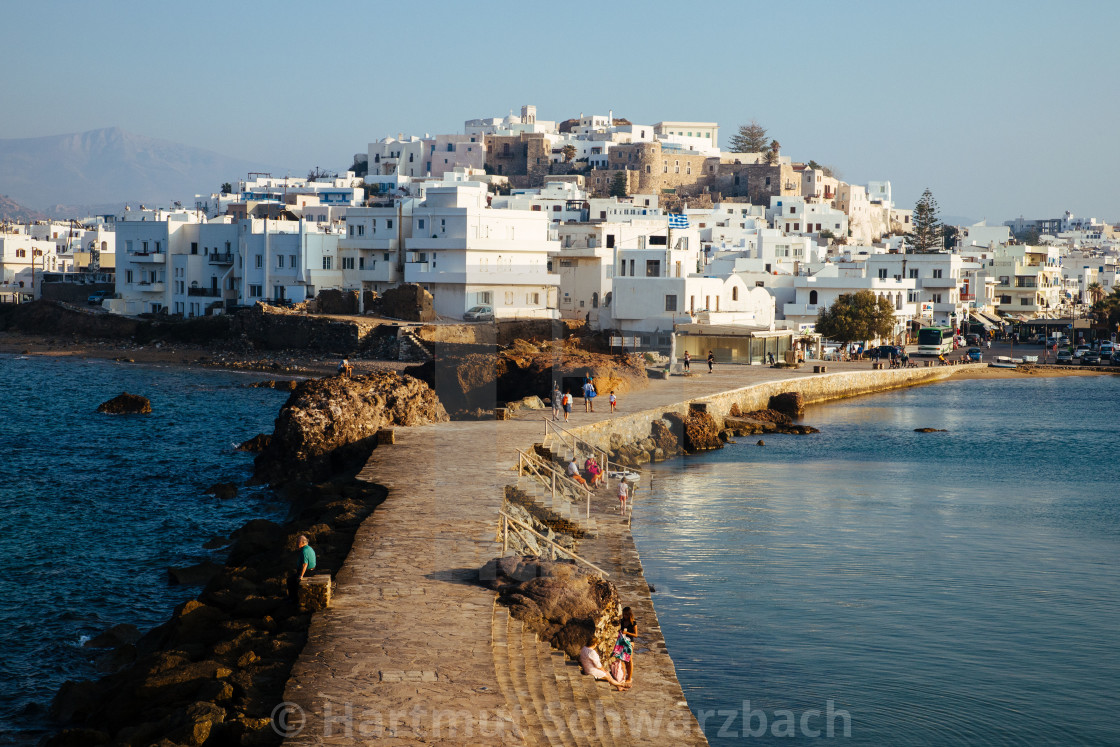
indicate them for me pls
(1000, 108)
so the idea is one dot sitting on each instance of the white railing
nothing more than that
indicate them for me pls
(553, 479)
(507, 520)
(577, 444)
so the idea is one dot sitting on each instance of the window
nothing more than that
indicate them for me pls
(653, 268)
(128, 276)
(292, 262)
(882, 273)
(937, 273)
(260, 261)
(327, 263)
(1024, 301)
(913, 273)
(659, 241)
(389, 223)
(509, 298)
(937, 298)
(194, 247)
(1005, 299)
(484, 297)
(610, 240)
(533, 299)
(420, 224)
(670, 303)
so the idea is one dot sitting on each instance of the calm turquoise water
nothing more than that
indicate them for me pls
(94, 508)
(959, 587)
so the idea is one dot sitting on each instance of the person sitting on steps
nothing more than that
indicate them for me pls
(345, 370)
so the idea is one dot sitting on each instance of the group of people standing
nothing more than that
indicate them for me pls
(620, 672)
(562, 401)
(711, 361)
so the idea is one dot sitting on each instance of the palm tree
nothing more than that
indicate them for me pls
(1096, 292)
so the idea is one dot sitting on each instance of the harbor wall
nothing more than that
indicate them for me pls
(634, 427)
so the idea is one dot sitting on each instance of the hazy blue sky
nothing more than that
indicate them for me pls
(1001, 108)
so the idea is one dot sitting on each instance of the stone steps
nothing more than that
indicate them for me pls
(511, 677)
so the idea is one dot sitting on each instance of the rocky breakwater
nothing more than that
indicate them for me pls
(698, 429)
(213, 673)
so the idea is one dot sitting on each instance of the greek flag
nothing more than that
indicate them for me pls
(678, 220)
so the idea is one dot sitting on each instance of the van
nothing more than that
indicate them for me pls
(1107, 349)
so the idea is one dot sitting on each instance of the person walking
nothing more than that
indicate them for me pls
(629, 628)
(623, 494)
(711, 360)
(589, 395)
(556, 397)
(304, 564)
(566, 403)
(613, 400)
(687, 361)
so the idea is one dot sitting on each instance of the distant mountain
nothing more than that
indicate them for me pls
(111, 166)
(10, 210)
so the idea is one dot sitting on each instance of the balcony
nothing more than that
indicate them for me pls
(150, 257)
(145, 286)
(204, 292)
(968, 296)
(222, 259)
(948, 282)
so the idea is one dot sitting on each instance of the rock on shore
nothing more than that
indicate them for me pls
(561, 602)
(329, 426)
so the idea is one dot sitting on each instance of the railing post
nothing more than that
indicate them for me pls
(505, 535)
(553, 473)
(588, 516)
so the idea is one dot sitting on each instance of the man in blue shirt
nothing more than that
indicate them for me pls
(304, 564)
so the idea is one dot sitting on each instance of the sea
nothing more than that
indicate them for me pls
(872, 585)
(94, 508)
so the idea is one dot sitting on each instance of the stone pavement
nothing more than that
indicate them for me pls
(412, 648)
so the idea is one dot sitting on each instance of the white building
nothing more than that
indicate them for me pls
(819, 291)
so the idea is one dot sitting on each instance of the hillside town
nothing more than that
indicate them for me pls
(649, 231)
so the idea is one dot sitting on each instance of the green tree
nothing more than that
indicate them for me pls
(618, 184)
(857, 316)
(1096, 292)
(926, 236)
(227, 188)
(1107, 309)
(569, 152)
(751, 138)
(772, 151)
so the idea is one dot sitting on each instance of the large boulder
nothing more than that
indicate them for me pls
(126, 404)
(560, 601)
(789, 403)
(699, 430)
(409, 302)
(330, 425)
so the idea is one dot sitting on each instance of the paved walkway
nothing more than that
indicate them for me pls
(407, 651)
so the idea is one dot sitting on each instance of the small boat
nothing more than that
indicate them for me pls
(1002, 365)
(624, 475)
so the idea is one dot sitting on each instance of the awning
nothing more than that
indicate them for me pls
(983, 322)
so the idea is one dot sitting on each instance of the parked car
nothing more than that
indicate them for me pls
(886, 350)
(972, 339)
(1080, 350)
(1063, 341)
(1064, 357)
(1107, 348)
(1090, 358)
(1115, 359)
(97, 298)
(479, 314)
(976, 355)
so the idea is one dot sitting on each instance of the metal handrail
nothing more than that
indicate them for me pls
(608, 465)
(506, 519)
(537, 462)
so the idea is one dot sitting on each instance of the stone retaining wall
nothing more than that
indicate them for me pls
(635, 427)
